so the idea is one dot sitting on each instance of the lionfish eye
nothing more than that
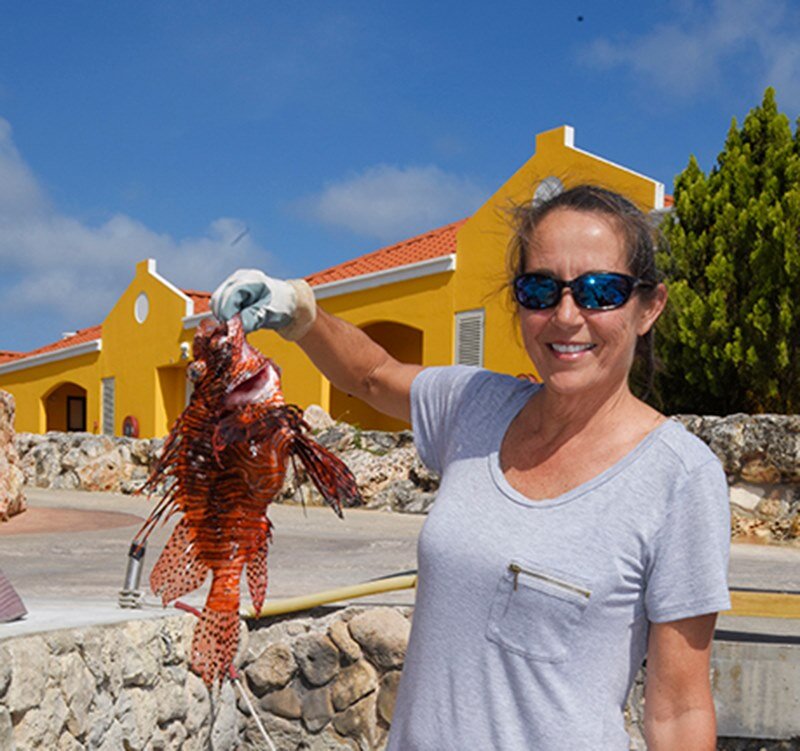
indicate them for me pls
(196, 370)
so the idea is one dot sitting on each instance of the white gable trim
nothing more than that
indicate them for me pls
(365, 281)
(33, 361)
(658, 197)
(190, 322)
(151, 269)
(387, 276)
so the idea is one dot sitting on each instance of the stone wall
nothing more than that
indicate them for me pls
(84, 461)
(761, 456)
(325, 683)
(12, 494)
(322, 683)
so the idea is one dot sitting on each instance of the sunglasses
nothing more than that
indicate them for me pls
(597, 290)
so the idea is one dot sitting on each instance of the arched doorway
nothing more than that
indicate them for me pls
(402, 342)
(65, 408)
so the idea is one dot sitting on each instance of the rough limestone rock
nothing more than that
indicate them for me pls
(12, 494)
(383, 635)
(386, 466)
(317, 709)
(273, 669)
(83, 461)
(753, 448)
(348, 647)
(317, 657)
(358, 722)
(353, 683)
(285, 702)
(387, 695)
(317, 418)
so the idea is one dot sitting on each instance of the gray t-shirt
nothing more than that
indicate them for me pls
(531, 616)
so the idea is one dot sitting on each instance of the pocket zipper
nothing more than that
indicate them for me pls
(516, 569)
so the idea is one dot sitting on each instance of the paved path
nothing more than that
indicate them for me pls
(72, 576)
(67, 556)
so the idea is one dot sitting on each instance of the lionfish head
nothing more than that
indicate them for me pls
(229, 370)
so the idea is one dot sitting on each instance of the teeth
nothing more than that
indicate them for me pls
(569, 348)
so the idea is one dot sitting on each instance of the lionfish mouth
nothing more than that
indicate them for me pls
(257, 387)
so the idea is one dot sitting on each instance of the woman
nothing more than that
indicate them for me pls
(576, 529)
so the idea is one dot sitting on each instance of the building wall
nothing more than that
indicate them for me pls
(31, 387)
(145, 358)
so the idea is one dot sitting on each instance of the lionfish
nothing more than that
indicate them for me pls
(223, 462)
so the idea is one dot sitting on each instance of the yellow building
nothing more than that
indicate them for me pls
(434, 299)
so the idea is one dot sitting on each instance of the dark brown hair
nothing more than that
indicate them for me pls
(641, 239)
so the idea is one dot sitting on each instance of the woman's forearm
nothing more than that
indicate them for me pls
(693, 728)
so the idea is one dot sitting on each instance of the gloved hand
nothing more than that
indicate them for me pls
(266, 303)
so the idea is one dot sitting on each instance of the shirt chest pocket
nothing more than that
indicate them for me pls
(536, 612)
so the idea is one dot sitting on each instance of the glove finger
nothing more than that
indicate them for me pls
(220, 297)
(239, 297)
(261, 317)
(252, 318)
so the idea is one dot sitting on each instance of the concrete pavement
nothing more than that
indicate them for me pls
(67, 560)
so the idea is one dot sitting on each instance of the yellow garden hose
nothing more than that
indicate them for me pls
(305, 602)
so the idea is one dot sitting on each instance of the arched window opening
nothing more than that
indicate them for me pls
(402, 342)
(65, 408)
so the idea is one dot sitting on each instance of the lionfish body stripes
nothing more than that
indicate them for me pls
(223, 462)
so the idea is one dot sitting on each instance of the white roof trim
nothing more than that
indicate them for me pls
(387, 276)
(33, 361)
(365, 281)
(658, 197)
(151, 269)
(190, 322)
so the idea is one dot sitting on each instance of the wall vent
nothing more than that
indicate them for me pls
(469, 337)
(109, 406)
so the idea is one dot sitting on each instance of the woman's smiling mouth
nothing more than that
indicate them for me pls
(569, 349)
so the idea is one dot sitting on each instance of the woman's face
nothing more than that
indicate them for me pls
(577, 350)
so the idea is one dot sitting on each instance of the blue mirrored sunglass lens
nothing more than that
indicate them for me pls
(601, 291)
(537, 291)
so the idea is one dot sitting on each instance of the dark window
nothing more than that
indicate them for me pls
(76, 413)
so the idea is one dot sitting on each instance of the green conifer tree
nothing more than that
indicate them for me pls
(730, 339)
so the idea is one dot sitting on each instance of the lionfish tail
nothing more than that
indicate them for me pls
(214, 644)
(329, 473)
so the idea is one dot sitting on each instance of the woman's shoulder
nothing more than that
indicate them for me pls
(468, 379)
(685, 450)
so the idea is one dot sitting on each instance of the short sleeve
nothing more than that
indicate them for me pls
(435, 397)
(688, 567)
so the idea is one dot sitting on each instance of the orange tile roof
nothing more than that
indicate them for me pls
(201, 300)
(6, 355)
(433, 244)
(79, 337)
(668, 201)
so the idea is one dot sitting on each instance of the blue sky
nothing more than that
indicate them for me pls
(292, 136)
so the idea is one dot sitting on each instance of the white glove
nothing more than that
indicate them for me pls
(266, 303)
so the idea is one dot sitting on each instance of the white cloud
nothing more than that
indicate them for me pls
(74, 271)
(751, 44)
(390, 203)
(19, 192)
